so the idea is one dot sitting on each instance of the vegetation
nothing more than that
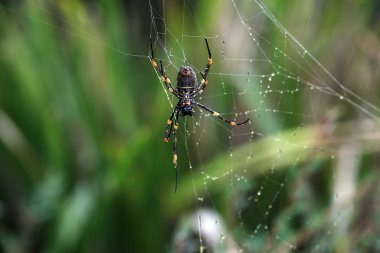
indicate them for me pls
(83, 167)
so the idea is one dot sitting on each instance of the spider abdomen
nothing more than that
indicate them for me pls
(186, 80)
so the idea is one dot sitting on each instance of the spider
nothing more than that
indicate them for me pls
(187, 89)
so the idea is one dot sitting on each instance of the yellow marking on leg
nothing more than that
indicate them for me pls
(233, 123)
(175, 126)
(170, 90)
(206, 82)
(169, 122)
(175, 158)
(164, 79)
(216, 114)
(167, 80)
(166, 139)
(210, 61)
(154, 63)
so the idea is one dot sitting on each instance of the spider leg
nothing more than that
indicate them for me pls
(204, 74)
(175, 150)
(214, 113)
(169, 125)
(209, 60)
(161, 71)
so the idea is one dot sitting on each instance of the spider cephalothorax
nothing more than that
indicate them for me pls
(187, 89)
(186, 108)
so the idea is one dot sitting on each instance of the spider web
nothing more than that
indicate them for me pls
(252, 188)
(258, 78)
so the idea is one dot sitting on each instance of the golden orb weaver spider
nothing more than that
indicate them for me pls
(187, 89)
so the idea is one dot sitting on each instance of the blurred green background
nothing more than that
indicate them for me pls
(83, 167)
